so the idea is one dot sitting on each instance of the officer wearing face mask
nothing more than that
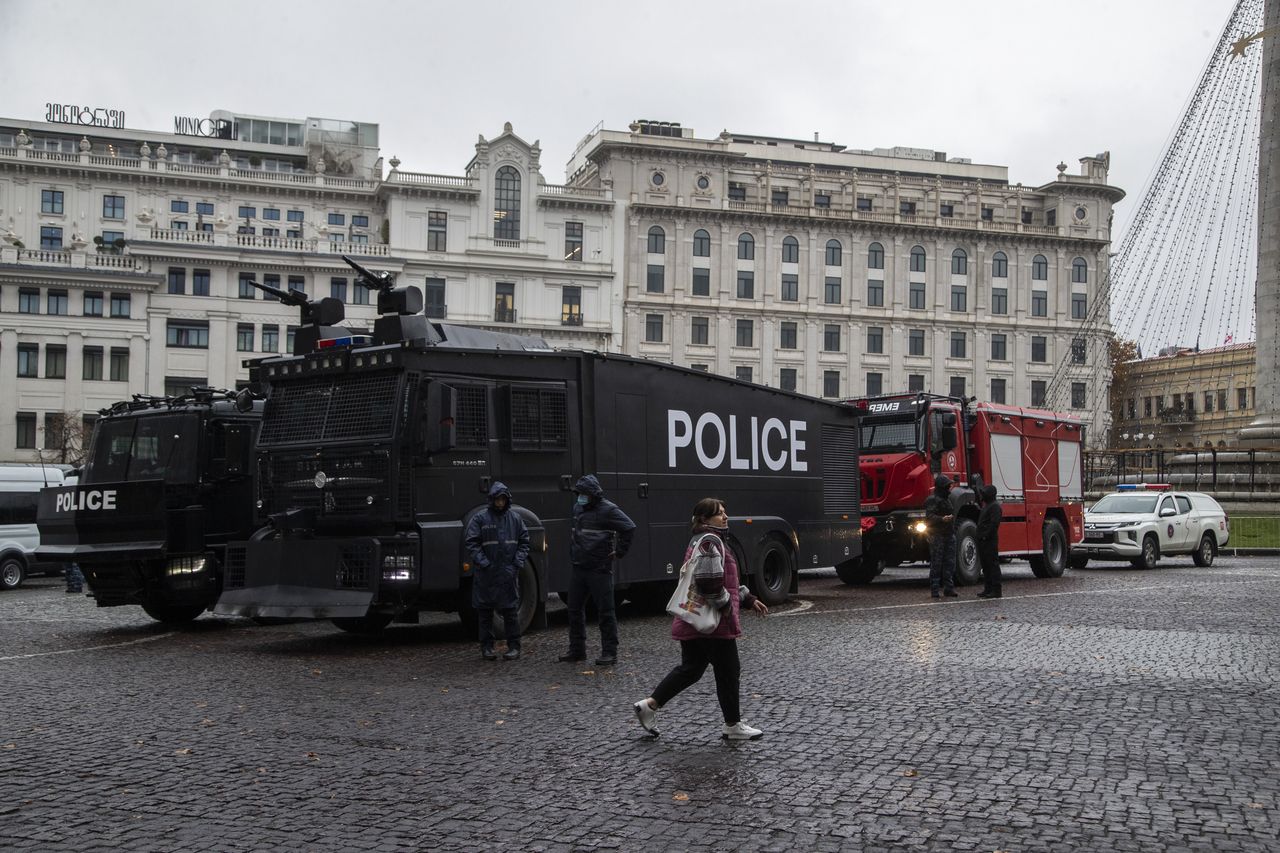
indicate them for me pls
(601, 533)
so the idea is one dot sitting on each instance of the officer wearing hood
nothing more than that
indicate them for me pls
(497, 544)
(939, 515)
(989, 542)
(601, 533)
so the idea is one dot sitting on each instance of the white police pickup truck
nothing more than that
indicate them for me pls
(1144, 522)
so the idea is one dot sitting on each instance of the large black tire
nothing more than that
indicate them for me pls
(370, 623)
(1205, 552)
(1077, 561)
(1150, 555)
(529, 592)
(12, 572)
(1052, 561)
(174, 614)
(968, 566)
(771, 578)
(860, 571)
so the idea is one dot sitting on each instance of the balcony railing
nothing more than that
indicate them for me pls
(69, 259)
(571, 318)
(504, 315)
(257, 241)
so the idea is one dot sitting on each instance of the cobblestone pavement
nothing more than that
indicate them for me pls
(1111, 709)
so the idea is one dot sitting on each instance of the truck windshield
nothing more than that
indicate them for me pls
(1126, 504)
(145, 448)
(896, 434)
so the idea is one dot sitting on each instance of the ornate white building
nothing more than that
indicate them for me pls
(838, 273)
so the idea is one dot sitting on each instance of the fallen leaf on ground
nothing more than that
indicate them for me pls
(10, 746)
(587, 672)
(909, 773)
(185, 751)
(317, 672)
(680, 796)
(1255, 805)
(313, 756)
(207, 722)
(499, 722)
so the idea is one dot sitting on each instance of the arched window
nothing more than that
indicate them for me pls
(506, 204)
(959, 262)
(1039, 268)
(999, 265)
(834, 253)
(746, 247)
(790, 250)
(701, 244)
(918, 259)
(1079, 271)
(875, 257)
(657, 241)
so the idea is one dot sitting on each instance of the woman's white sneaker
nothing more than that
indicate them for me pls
(741, 731)
(648, 716)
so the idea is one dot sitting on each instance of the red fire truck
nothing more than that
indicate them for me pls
(1032, 457)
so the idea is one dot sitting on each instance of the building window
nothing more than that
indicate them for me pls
(275, 232)
(91, 362)
(699, 331)
(1079, 306)
(113, 207)
(915, 296)
(998, 391)
(701, 368)
(1208, 401)
(907, 208)
(1039, 268)
(187, 334)
(999, 265)
(657, 241)
(787, 379)
(119, 364)
(290, 216)
(863, 204)
(571, 305)
(338, 289)
(746, 284)
(270, 338)
(573, 241)
(247, 290)
(656, 279)
(746, 333)
(875, 257)
(177, 280)
(271, 213)
(831, 291)
(29, 360)
(28, 300)
(1242, 398)
(737, 192)
(1077, 395)
(112, 242)
(915, 382)
(179, 225)
(120, 304)
(360, 296)
(1132, 407)
(244, 337)
(831, 383)
(289, 334)
(1077, 351)
(50, 237)
(701, 244)
(835, 253)
(790, 250)
(822, 200)
(200, 282)
(205, 208)
(58, 303)
(334, 218)
(359, 220)
(999, 300)
(333, 238)
(959, 297)
(919, 260)
(958, 345)
(987, 214)
(780, 197)
(788, 338)
(653, 328)
(999, 348)
(915, 342)
(1038, 348)
(959, 262)
(434, 303)
(1079, 271)
(957, 386)
(1039, 303)
(92, 303)
(506, 208)
(875, 293)
(51, 201)
(746, 248)
(1026, 216)
(790, 288)
(743, 373)
(946, 211)
(504, 302)
(701, 281)
(875, 384)
(875, 339)
(26, 422)
(1222, 400)
(830, 338)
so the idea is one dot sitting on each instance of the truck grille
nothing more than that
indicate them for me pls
(350, 477)
(329, 408)
(874, 485)
(355, 569)
(840, 467)
(233, 571)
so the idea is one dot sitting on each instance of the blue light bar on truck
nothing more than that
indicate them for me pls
(347, 341)
(1143, 487)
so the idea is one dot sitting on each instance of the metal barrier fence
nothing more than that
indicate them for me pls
(1230, 474)
(1254, 531)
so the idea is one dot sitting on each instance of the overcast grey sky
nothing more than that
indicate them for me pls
(1021, 83)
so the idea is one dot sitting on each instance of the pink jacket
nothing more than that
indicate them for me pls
(730, 627)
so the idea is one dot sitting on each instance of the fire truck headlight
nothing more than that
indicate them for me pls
(368, 499)
(919, 527)
(185, 565)
(259, 504)
(399, 567)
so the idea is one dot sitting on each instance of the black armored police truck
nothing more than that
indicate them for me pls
(167, 483)
(375, 453)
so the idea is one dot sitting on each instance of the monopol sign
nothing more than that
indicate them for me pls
(740, 444)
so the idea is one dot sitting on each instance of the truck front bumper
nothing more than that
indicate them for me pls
(1124, 544)
(301, 578)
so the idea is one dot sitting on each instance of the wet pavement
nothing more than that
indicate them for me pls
(1111, 709)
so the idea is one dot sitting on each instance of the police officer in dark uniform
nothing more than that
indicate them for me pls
(940, 517)
(497, 544)
(989, 542)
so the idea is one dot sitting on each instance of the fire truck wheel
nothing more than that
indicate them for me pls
(12, 571)
(1203, 556)
(968, 567)
(173, 614)
(859, 571)
(1052, 561)
(1150, 553)
(771, 577)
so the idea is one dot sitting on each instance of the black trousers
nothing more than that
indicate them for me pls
(990, 557)
(695, 655)
(942, 561)
(510, 626)
(599, 585)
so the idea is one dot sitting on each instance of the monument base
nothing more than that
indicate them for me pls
(1263, 431)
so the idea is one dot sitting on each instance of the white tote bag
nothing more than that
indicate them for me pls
(687, 603)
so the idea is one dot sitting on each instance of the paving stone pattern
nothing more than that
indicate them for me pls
(1111, 709)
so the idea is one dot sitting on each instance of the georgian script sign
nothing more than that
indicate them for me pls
(214, 128)
(91, 116)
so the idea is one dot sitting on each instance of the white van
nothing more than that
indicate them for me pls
(20, 487)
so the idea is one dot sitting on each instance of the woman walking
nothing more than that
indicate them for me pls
(719, 648)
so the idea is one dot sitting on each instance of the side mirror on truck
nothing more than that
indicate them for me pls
(949, 438)
(438, 430)
(237, 451)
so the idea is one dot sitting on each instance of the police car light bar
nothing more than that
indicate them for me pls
(1137, 487)
(346, 341)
